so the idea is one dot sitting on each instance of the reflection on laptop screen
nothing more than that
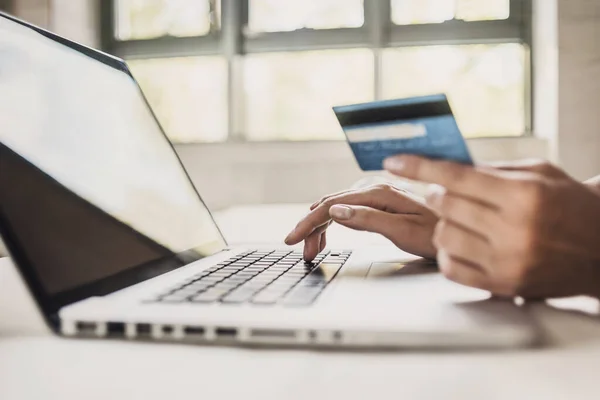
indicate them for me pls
(88, 182)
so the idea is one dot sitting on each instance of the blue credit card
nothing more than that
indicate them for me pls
(423, 126)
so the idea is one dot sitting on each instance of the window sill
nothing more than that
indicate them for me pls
(292, 152)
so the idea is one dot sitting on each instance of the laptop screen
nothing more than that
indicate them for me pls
(90, 188)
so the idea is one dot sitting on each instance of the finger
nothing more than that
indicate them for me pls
(539, 166)
(323, 242)
(476, 216)
(480, 184)
(375, 187)
(462, 272)
(325, 198)
(383, 197)
(395, 227)
(460, 243)
(324, 238)
(311, 246)
(312, 243)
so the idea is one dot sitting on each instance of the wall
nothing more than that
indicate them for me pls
(579, 86)
(567, 72)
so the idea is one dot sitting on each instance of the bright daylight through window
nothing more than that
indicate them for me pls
(217, 70)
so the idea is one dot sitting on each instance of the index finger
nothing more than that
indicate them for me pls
(379, 198)
(465, 180)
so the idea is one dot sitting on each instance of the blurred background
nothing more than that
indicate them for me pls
(244, 88)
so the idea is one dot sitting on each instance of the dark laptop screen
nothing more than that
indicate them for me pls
(90, 188)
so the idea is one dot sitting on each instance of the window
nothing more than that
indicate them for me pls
(147, 19)
(188, 95)
(290, 15)
(406, 12)
(217, 70)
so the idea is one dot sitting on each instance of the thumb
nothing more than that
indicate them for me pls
(362, 218)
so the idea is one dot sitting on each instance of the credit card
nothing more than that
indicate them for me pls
(423, 126)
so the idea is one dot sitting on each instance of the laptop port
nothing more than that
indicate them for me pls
(226, 333)
(337, 336)
(86, 328)
(143, 330)
(115, 329)
(167, 330)
(193, 331)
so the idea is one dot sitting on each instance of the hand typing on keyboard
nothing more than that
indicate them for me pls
(381, 209)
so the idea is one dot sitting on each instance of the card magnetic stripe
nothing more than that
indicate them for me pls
(392, 111)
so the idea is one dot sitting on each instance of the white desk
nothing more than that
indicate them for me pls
(35, 365)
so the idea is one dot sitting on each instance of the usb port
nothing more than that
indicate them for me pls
(193, 331)
(226, 333)
(115, 329)
(86, 328)
(143, 330)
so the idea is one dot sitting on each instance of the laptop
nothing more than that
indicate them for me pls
(114, 242)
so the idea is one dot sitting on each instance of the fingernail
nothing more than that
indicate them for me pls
(341, 212)
(434, 194)
(394, 163)
(442, 257)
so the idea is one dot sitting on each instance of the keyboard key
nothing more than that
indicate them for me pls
(266, 300)
(239, 278)
(207, 297)
(237, 297)
(228, 284)
(257, 268)
(263, 279)
(210, 295)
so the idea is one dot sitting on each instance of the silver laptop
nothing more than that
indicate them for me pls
(113, 240)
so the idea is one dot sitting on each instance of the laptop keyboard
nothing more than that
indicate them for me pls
(261, 278)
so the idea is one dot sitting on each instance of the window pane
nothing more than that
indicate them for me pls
(485, 83)
(478, 10)
(146, 19)
(290, 15)
(406, 12)
(290, 95)
(188, 95)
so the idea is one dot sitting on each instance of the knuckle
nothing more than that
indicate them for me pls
(456, 173)
(383, 187)
(545, 167)
(328, 202)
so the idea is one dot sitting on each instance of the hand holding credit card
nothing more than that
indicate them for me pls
(423, 126)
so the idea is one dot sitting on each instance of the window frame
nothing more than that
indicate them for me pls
(378, 33)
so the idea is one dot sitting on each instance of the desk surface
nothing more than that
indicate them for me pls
(36, 365)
